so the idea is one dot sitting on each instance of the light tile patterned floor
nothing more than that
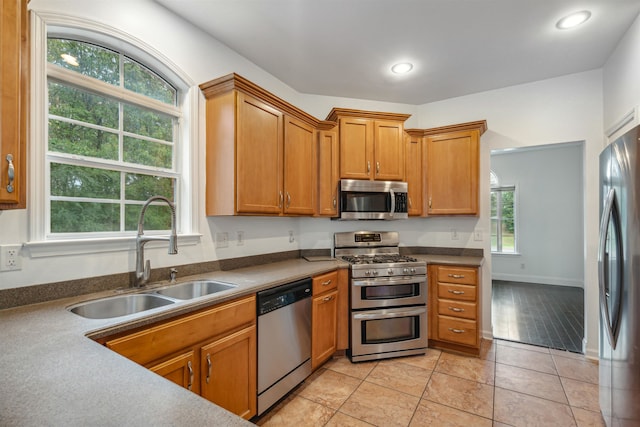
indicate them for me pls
(511, 384)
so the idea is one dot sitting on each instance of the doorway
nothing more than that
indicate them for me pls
(538, 245)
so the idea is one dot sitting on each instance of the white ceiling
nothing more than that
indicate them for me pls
(458, 47)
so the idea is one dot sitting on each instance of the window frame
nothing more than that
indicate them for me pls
(497, 188)
(41, 243)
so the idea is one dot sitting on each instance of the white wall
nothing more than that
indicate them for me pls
(549, 215)
(621, 82)
(564, 109)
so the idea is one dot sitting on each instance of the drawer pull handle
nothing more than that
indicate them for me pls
(368, 167)
(451, 291)
(190, 368)
(329, 298)
(281, 200)
(326, 282)
(457, 331)
(288, 199)
(457, 276)
(377, 168)
(456, 309)
(208, 368)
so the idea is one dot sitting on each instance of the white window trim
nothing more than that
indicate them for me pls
(515, 220)
(187, 195)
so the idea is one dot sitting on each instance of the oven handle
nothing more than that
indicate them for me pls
(406, 313)
(384, 281)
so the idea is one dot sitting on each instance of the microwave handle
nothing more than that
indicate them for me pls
(393, 202)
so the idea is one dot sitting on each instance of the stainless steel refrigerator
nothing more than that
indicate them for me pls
(619, 281)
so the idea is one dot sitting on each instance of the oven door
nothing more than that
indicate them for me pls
(388, 291)
(377, 334)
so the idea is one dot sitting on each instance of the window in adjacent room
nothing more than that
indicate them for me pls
(112, 141)
(503, 217)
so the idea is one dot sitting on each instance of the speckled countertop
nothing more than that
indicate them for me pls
(51, 373)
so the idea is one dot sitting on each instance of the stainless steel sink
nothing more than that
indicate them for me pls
(195, 289)
(120, 305)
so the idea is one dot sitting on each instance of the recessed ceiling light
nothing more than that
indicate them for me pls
(402, 67)
(573, 20)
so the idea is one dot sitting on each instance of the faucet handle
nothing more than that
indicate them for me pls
(173, 272)
(147, 270)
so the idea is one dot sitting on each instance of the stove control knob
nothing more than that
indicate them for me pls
(367, 273)
(405, 270)
(390, 271)
(375, 272)
(413, 270)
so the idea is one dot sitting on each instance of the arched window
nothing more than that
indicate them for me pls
(112, 120)
(503, 217)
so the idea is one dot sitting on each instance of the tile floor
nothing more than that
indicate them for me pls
(511, 384)
(547, 315)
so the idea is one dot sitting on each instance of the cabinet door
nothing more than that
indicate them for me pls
(388, 150)
(328, 173)
(258, 157)
(324, 331)
(180, 370)
(14, 78)
(228, 372)
(452, 165)
(299, 168)
(414, 174)
(356, 148)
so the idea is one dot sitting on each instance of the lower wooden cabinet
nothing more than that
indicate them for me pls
(324, 318)
(180, 370)
(228, 372)
(454, 307)
(212, 352)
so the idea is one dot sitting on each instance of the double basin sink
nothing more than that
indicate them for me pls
(122, 305)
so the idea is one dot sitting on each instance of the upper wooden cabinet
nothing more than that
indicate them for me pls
(371, 144)
(451, 167)
(261, 152)
(14, 97)
(328, 170)
(414, 173)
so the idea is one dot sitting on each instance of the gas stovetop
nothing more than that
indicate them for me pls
(378, 259)
(375, 254)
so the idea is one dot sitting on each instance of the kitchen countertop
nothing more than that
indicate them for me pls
(53, 374)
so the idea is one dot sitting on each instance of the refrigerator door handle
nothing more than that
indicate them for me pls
(610, 215)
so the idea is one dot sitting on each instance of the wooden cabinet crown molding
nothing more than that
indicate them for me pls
(233, 81)
(479, 125)
(336, 113)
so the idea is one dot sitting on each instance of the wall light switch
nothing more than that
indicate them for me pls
(222, 240)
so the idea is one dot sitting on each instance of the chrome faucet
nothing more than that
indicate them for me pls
(142, 268)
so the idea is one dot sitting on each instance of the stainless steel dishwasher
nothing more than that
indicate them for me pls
(284, 340)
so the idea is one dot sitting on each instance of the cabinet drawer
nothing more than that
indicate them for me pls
(460, 331)
(325, 282)
(463, 275)
(457, 292)
(466, 310)
(158, 341)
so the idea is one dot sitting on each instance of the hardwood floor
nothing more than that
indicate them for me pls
(545, 315)
(510, 384)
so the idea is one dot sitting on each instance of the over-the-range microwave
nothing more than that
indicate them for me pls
(363, 199)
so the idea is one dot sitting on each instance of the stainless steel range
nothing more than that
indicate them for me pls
(388, 296)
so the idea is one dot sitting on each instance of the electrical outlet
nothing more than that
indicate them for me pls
(454, 234)
(10, 258)
(240, 238)
(291, 237)
(477, 235)
(222, 240)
